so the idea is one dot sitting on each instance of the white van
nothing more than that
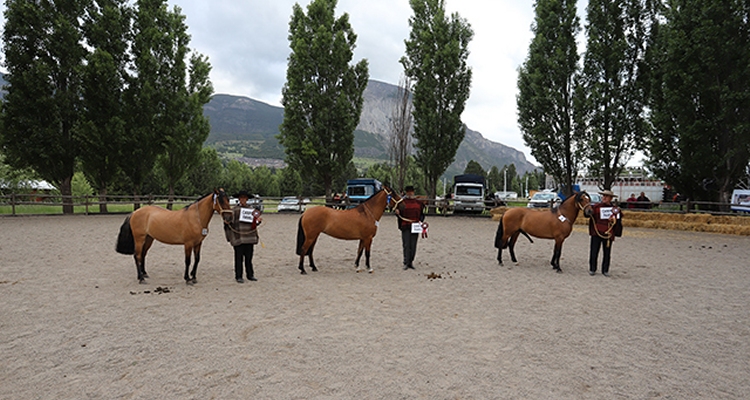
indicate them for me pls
(741, 200)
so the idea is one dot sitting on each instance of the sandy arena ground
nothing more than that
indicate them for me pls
(673, 321)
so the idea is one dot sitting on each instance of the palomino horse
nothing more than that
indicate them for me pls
(359, 223)
(556, 223)
(188, 226)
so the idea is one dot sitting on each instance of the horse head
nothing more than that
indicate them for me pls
(393, 198)
(222, 206)
(583, 201)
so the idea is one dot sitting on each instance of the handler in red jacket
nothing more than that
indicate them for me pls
(410, 211)
(604, 225)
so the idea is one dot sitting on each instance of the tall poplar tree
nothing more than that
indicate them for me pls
(107, 30)
(610, 108)
(436, 61)
(700, 98)
(322, 96)
(44, 57)
(401, 126)
(546, 91)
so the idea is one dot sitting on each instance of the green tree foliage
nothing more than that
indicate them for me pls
(264, 182)
(290, 182)
(494, 179)
(700, 98)
(204, 176)
(473, 167)
(545, 83)
(609, 97)
(322, 96)
(237, 176)
(175, 100)
(107, 29)
(436, 61)
(44, 57)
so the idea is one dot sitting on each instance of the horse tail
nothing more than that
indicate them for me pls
(125, 241)
(499, 234)
(527, 236)
(300, 237)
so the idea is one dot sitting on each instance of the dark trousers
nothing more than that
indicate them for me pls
(243, 250)
(409, 242)
(596, 243)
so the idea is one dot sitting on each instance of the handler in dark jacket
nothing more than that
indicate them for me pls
(409, 211)
(604, 225)
(242, 234)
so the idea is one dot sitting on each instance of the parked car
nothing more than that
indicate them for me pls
(256, 202)
(595, 197)
(291, 204)
(544, 200)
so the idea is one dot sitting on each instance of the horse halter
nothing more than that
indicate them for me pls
(220, 209)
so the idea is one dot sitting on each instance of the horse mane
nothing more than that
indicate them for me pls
(361, 206)
(576, 196)
(199, 199)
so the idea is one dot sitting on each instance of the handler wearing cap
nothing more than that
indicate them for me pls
(410, 212)
(604, 225)
(242, 234)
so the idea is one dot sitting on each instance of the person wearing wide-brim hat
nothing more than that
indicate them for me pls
(410, 211)
(604, 224)
(242, 234)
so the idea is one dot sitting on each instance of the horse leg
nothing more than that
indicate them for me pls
(197, 257)
(141, 248)
(499, 242)
(511, 245)
(307, 250)
(310, 255)
(359, 255)
(367, 256)
(302, 264)
(556, 256)
(188, 251)
(146, 245)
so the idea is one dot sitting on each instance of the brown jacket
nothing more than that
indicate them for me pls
(238, 233)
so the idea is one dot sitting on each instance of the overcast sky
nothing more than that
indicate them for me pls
(247, 45)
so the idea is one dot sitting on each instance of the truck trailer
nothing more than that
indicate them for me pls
(468, 193)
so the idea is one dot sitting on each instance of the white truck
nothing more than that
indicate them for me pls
(468, 193)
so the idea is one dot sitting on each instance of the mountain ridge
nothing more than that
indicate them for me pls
(242, 125)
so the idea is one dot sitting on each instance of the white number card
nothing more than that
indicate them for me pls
(416, 227)
(246, 215)
(605, 212)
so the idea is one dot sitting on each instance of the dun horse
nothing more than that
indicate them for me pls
(188, 226)
(554, 224)
(359, 223)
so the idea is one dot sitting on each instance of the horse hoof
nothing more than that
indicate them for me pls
(558, 270)
(314, 269)
(189, 282)
(370, 270)
(303, 272)
(194, 280)
(358, 270)
(142, 281)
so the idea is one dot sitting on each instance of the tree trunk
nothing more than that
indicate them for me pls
(103, 201)
(67, 195)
